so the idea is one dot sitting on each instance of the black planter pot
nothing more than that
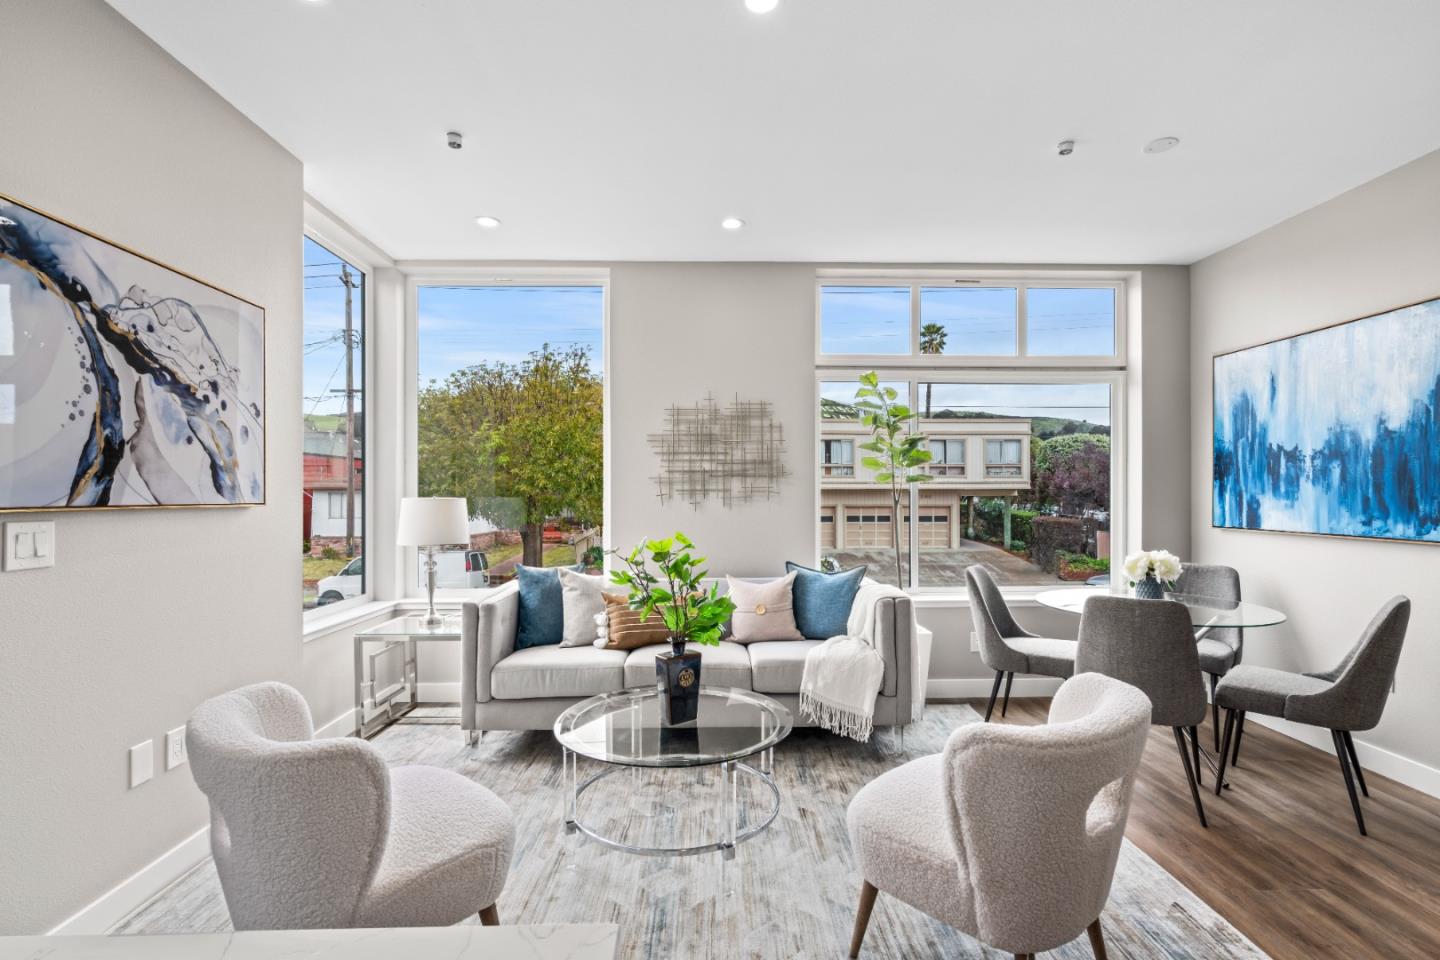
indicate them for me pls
(678, 675)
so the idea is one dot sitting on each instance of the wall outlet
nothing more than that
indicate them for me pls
(142, 763)
(175, 748)
(974, 642)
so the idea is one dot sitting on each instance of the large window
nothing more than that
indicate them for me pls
(333, 505)
(511, 417)
(1020, 461)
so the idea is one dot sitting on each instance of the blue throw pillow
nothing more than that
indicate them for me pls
(542, 609)
(823, 600)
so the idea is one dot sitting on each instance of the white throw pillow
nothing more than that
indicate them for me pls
(580, 600)
(763, 611)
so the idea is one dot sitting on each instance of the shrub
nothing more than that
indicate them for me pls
(1021, 526)
(329, 553)
(1053, 536)
(1080, 566)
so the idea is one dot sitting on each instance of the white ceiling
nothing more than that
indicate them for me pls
(840, 130)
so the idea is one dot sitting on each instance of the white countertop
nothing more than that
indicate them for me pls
(578, 941)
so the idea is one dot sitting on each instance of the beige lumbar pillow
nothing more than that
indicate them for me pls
(581, 597)
(763, 611)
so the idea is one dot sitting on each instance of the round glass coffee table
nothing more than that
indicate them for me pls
(626, 729)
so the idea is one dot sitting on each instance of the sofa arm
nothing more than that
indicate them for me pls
(487, 637)
(895, 622)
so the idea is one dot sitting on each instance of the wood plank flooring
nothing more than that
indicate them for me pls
(1282, 860)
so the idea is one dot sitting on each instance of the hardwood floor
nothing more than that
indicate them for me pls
(1282, 860)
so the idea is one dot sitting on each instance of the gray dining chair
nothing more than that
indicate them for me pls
(1348, 698)
(1150, 644)
(1013, 832)
(1007, 649)
(1221, 647)
(321, 833)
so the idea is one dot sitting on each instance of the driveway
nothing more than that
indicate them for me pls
(946, 568)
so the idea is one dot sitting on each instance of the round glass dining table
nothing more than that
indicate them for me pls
(1206, 613)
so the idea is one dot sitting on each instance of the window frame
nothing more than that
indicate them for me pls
(353, 252)
(1020, 280)
(918, 368)
(491, 275)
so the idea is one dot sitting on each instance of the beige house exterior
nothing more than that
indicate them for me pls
(987, 457)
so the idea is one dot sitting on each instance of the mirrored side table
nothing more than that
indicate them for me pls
(376, 709)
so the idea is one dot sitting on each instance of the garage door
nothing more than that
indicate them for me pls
(827, 528)
(867, 527)
(934, 526)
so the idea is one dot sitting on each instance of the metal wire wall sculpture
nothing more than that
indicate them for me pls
(734, 455)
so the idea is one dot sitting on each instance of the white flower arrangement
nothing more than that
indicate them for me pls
(1160, 564)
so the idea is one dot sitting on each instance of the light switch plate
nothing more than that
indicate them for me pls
(29, 546)
(175, 748)
(142, 763)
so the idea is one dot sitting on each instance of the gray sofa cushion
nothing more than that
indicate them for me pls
(776, 667)
(555, 671)
(726, 665)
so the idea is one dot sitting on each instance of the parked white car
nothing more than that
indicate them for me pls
(453, 569)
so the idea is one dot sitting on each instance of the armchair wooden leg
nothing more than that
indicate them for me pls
(1097, 939)
(994, 692)
(1190, 773)
(862, 917)
(490, 916)
(1009, 679)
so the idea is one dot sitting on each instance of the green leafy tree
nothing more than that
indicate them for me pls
(932, 340)
(522, 442)
(897, 454)
(1072, 471)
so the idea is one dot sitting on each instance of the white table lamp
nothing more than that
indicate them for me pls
(431, 522)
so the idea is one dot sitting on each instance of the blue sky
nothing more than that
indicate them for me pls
(324, 365)
(463, 326)
(979, 321)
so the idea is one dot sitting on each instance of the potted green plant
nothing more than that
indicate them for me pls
(663, 576)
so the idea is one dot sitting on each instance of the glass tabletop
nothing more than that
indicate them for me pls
(627, 728)
(1212, 612)
(414, 626)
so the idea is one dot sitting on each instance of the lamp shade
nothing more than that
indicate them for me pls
(432, 522)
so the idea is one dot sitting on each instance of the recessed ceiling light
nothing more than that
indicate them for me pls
(489, 223)
(1162, 144)
(761, 6)
(732, 223)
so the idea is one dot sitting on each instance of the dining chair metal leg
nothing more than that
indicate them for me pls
(868, 893)
(1009, 679)
(1225, 748)
(1239, 732)
(1355, 761)
(1349, 779)
(1097, 940)
(1214, 709)
(1190, 774)
(994, 692)
(1195, 755)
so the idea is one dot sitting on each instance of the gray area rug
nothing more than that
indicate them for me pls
(790, 892)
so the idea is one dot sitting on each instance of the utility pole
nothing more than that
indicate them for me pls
(349, 283)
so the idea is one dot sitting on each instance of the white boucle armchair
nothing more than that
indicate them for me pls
(1011, 834)
(321, 833)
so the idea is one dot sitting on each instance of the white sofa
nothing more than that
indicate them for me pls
(507, 689)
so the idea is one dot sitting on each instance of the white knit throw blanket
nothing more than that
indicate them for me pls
(843, 674)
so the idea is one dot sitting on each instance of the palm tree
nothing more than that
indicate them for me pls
(932, 340)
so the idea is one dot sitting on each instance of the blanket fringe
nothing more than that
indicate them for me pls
(847, 723)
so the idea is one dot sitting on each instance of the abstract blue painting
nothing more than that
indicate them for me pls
(1336, 431)
(123, 383)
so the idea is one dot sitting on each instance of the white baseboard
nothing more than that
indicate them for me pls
(439, 692)
(978, 688)
(341, 726)
(1401, 769)
(140, 888)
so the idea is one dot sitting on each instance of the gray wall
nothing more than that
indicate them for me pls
(146, 612)
(1368, 250)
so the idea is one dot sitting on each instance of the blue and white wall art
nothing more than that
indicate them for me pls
(1335, 431)
(123, 383)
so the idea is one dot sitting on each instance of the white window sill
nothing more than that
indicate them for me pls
(321, 624)
(1014, 596)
